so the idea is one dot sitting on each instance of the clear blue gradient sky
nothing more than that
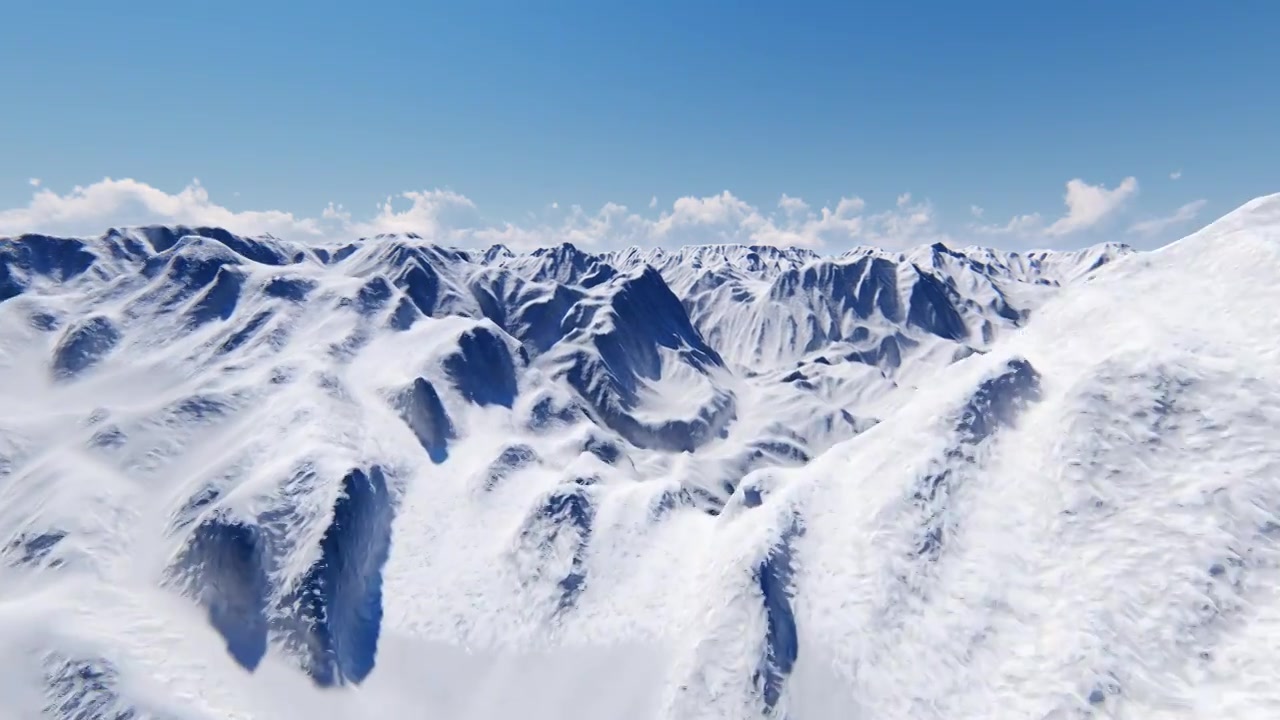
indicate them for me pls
(288, 106)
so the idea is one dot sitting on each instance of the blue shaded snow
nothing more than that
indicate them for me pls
(482, 368)
(774, 576)
(511, 460)
(420, 407)
(59, 259)
(335, 614)
(564, 520)
(998, 401)
(933, 309)
(34, 549)
(246, 333)
(84, 689)
(219, 301)
(227, 566)
(294, 289)
(995, 404)
(83, 346)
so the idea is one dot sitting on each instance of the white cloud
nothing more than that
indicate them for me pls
(1155, 226)
(449, 218)
(975, 211)
(33, 182)
(908, 225)
(107, 203)
(1018, 225)
(431, 213)
(722, 209)
(1175, 174)
(1087, 205)
(653, 201)
(792, 205)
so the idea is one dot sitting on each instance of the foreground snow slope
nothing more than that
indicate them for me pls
(247, 478)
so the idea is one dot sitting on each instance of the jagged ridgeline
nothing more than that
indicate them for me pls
(318, 445)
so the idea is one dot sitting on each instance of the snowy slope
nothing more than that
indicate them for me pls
(254, 478)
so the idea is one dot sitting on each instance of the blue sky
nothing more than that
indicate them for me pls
(502, 116)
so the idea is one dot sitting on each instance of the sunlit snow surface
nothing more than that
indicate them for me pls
(255, 479)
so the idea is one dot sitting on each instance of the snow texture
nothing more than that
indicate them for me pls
(251, 478)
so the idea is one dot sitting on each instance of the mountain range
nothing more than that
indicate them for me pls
(254, 478)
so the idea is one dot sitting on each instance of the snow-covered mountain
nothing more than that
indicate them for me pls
(246, 477)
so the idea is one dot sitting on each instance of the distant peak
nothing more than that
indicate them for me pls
(497, 251)
(563, 249)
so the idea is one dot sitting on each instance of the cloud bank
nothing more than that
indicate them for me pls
(450, 218)
(112, 203)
